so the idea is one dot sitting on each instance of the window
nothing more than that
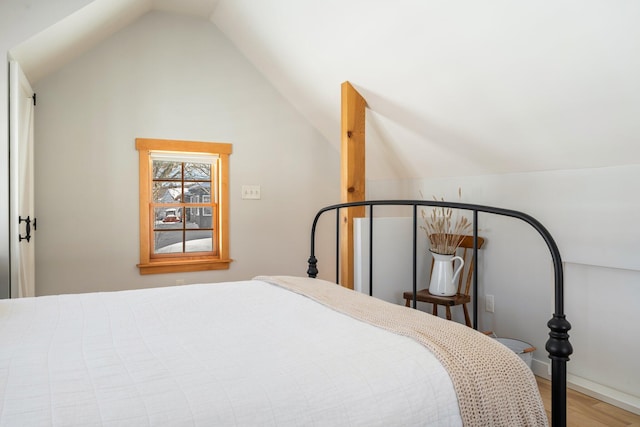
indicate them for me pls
(184, 206)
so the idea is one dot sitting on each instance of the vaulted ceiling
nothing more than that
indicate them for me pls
(461, 87)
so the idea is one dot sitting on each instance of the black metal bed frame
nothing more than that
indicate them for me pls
(557, 345)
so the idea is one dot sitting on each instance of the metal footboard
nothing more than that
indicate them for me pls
(557, 345)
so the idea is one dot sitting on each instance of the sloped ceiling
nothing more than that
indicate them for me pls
(461, 87)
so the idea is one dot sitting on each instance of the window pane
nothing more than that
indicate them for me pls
(197, 192)
(197, 172)
(199, 241)
(168, 242)
(167, 170)
(198, 218)
(168, 218)
(167, 192)
(206, 211)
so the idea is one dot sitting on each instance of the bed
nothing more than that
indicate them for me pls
(279, 351)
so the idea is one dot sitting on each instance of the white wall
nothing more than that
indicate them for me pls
(173, 77)
(392, 269)
(592, 214)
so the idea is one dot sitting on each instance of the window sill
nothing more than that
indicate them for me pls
(160, 267)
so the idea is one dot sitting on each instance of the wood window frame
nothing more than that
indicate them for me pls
(182, 263)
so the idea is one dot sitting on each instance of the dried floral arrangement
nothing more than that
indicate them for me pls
(444, 230)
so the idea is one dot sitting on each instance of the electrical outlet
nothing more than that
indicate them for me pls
(489, 303)
(251, 192)
(180, 282)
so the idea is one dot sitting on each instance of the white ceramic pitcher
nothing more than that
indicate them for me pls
(443, 278)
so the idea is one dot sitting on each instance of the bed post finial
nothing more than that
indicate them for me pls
(312, 271)
(559, 349)
(558, 344)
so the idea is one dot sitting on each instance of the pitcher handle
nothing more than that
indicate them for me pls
(459, 269)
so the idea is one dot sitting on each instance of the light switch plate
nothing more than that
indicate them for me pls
(251, 192)
(489, 303)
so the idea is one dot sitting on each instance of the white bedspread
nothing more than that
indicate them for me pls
(229, 354)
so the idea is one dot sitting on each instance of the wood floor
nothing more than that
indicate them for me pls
(585, 411)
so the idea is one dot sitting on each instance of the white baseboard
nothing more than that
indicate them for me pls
(601, 392)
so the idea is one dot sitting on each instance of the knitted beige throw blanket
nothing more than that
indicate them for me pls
(494, 386)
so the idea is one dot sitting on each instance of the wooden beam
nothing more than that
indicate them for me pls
(352, 183)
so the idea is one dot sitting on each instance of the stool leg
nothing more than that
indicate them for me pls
(406, 304)
(435, 310)
(448, 312)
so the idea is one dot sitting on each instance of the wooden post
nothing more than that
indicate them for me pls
(352, 183)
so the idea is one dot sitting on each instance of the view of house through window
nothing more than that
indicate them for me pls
(184, 205)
